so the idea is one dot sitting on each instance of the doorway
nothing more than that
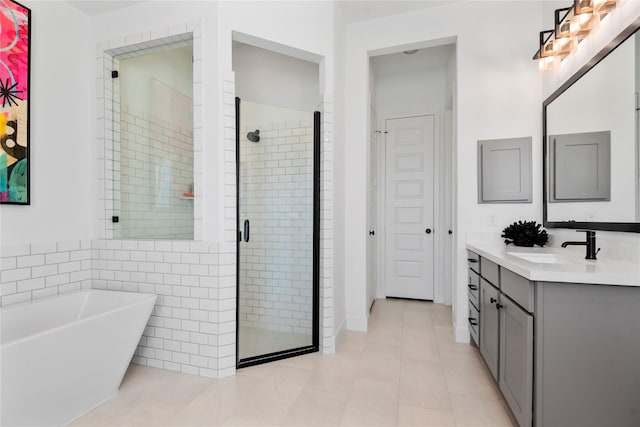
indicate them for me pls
(410, 172)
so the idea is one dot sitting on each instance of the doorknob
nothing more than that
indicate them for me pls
(428, 231)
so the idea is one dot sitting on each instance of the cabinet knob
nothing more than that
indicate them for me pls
(473, 287)
(499, 306)
(473, 321)
(492, 300)
(471, 260)
(428, 231)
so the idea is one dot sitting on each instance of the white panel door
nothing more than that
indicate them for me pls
(409, 207)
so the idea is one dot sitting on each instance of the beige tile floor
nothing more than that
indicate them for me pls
(407, 370)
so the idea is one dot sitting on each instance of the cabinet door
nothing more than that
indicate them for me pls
(489, 326)
(516, 360)
(504, 170)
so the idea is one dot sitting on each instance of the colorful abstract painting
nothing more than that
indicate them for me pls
(14, 102)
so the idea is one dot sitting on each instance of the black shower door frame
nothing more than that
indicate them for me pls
(314, 347)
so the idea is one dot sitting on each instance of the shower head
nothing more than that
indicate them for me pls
(254, 136)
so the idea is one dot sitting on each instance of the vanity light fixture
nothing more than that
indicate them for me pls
(572, 25)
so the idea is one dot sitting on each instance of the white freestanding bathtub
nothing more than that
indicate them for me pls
(62, 356)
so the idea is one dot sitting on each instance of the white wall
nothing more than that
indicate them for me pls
(416, 92)
(61, 163)
(498, 95)
(339, 310)
(272, 78)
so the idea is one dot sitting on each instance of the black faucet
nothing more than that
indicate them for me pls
(590, 243)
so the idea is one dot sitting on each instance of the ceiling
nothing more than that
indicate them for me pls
(423, 59)
(98, 7)
(353, 10)
(362, 10)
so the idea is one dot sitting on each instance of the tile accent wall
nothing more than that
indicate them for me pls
(182, 333)
(192, 326)
(327, 338)
(276, 276)
(38, 270)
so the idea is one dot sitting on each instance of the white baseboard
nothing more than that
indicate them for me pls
(340, 333)
(357, 324)
(462, 334)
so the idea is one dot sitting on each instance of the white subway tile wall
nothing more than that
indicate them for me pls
(182, 333)
(327, 336)
(192, 327)
(276, 265)
(156, 168)
(39, 270)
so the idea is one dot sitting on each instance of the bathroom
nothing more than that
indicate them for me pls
(497, 92)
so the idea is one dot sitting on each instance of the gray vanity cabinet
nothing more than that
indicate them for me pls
(489, 326)
(577, 345)
(516, 359)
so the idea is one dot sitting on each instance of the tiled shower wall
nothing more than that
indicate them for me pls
(276, 275)
(39, 270)
(192, 327)
(156, 169)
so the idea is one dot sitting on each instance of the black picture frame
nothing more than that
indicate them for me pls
(15, 98)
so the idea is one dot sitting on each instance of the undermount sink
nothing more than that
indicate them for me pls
(542, 258)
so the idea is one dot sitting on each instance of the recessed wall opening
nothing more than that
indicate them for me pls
(278, 150)
(410, 186)
(153, 149)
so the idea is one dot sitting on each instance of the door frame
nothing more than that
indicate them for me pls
(317, 179)
(439, 223)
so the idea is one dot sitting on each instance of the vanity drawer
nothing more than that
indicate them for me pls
(473, 260)
(490, 271)
(473, 284)
(474, 320)
(516, 287)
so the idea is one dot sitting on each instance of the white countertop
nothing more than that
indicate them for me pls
(576, 269)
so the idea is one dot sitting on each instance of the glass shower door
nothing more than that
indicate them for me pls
(153, 143)
(277, 226)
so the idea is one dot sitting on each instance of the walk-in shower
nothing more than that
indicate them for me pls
(278, 231)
